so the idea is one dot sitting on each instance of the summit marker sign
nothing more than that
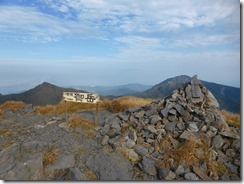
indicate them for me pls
(81, 97)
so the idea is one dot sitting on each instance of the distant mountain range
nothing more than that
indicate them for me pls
(42, 94)
(46, 93)
(121, 90)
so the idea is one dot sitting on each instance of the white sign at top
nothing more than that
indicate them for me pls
(81, 97)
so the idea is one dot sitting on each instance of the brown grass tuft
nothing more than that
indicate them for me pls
(90, 175)
(231, 118)
(61, 108)
(123, 103)
(75, 121)
(50, 157)
(13, 105)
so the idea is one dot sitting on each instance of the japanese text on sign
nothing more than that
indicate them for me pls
(81, 97)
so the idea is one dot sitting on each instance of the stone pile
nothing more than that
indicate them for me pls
(181, 137)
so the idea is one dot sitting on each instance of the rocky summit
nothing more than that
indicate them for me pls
(181, 137)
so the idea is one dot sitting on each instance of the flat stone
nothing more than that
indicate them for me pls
(186, 116)
(35, 167)
(105, 129)
(139, 114)
(133, 109)
(191, 176)
(129, 143)
(170, 127)
(230, 153)
(164, 112)
(163, 173)
(179, 109)
(76, 175)
(201, 174)
(181, 126)
(180, 170)
(192, 127)
(155, 119)
(141, 150)
(188, 135)
(63, 163)
(151, 128)
(123, 117)
(233, 168)
(147, 166)
(151, 112)
(229, 134)
(217, 141)
(105, 140)
(170, 176)
(172, 118)
(116, 124)
(172, 111)
(225, 177)
(110, 166)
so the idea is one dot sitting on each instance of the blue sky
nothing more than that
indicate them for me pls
(114, 42)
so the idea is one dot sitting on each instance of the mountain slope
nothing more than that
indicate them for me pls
(166, 87)
(228, 97)
(42, 94)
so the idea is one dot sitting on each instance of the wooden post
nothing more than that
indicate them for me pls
(66, 111)
(96, 113)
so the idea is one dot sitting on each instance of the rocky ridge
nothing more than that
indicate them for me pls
(180, 137)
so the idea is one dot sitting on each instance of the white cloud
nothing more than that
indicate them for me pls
(152, 15)
(28, 24)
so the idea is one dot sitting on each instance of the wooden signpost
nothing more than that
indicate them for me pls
(82, 98)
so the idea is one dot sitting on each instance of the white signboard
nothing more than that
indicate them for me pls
(81, 97)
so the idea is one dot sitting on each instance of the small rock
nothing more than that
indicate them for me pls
(123, 117)
(180, 170)
(140, 114)
(192, 127)
(129, 143)
(155, 119)
(191, 176)
(164, 112)
(170, 176)
(217, 142)
(141, 150)
(179, 109)
(170, 127)
(172, 111)
(181, 126)
(230, 153)
(147, 166)
(151, 128)
(188, 135)
(76, 175)
(105, 140)
(172, 118)
(225, 177)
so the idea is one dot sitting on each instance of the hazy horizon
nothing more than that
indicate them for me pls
(111, 43)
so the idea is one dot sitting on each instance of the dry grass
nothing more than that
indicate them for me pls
(75, 121)
(61, 108)
(50, 157)
(90, 175)
(6, 133)
(6, 145)
(13, 105)
(231, 118)
(186, 154)
(123, 103)
(115, 105)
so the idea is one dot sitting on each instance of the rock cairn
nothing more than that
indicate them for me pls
(181, 137)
